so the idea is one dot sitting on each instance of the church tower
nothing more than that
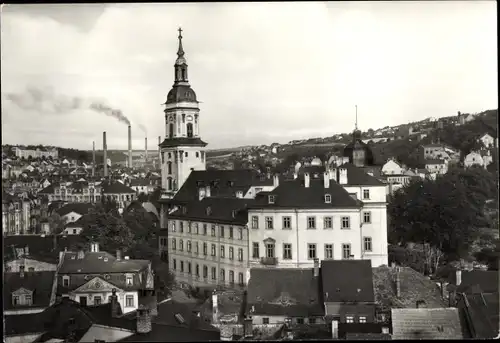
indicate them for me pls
(182, 150)
(358, 152)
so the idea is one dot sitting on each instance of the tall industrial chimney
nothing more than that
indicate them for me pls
(159, 151)
(105, 150)
(93, 158)
(146, 150)
(130, 146)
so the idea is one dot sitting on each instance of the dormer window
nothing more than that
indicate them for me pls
(234, 213)
(328, 198)
(22, 297)
(209, 211)
(239, 194)
(65, 280)
(271, 199)
(129, 280)
(230, 183)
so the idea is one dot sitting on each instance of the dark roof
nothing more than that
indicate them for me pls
(356, 176)
(481, 314)
(290, 292)
(80, 208)
(356, 283)
(222, 183)
(221, 210)
(40, 247)
(169, 333)
(95, 262)
(426, 323)
(40, 283)
(116, 188)
(24, 324)
(487, 280)
(435, 161)
(181, 93)
(293, 194)
(182, 141)
(139, 182)
(77, 223)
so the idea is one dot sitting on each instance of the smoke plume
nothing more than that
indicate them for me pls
(143, 128)
(109, 111)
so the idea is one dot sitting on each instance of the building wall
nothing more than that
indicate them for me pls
(209, 261)
(274, 320)
(437, 168)
(13, 266)
(105, 298)
(354, 310)
(391, 168)
(22, 338)
(181, 165)
(488, 141)
(473, 159)
(73, 230)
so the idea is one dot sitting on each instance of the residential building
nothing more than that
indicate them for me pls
(36, 153)
(182, 149)
(144, 186)
(392, 167)
(90, 277)
(16, 214)
(475, 159)
(72, 212)
(439, 167)
(487, 140)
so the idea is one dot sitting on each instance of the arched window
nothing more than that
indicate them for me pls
(170, 185)
(171, 130)
(190, 129)
(169, 167)
(183, 74)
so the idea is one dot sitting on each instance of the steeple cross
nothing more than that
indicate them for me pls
(180, 32)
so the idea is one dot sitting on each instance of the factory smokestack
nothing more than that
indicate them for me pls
(146, 150)
(159, 152)
(130, 147)
(93, 158)
(105, 150)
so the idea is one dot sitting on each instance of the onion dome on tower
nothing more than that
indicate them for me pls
(358, 152)
(181, 90)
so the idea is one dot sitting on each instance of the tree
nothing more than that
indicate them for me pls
(56, 225)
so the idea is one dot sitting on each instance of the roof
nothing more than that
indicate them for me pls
(284, 291)
(357, 176)
(181, 93)
(293, 194)
(16, 325)
(414, 287)
(78, 223)
(40, 283)
(481, 314)
(487, 280)
(356, 283)
(80, 208)
(426, 323)
(139, 182)
(169, 333)
(221, 210)
(433, 161)
(182, 141)
(116, 188)
(95, 262)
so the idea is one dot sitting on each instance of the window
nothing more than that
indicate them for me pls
(205, 272)
(367, 217)
(329, 251)
(240, 254)
(189, 227)
(213, 230)
(311, 222)
(270, 250)
(196, 249)
(287, 251)
(265, 320)
(349, 319)
(189, 126)
(171, 130)
(205, 249)
(255, 222)
(205, 229)
(328, 223)
(66, 281)
(231, 232)
(15, 300)
(312, 320)
(231, 277)
(181, 227)
(269, 223)
(366, 194)
(300, 320)
(188, 246)
(311, 249)
(182, 266)
(175, 264)
(255, 250)
(287, 222)
(173, 244)
(197, 154)
(328, 198)
(346, 251)
(97, 300)
(169, 168)
(214, 273)
(172, 223)
(129, 301)
(222, 251)
(345, 223)
(181, 245)
(271, 199)
(189, 267)
(362, 319)
(367, 243)
(240, 234)
(213, 250)
(197, 270)
(196, 229)
(221, 231)
(231, 253)
(240, 279)
(222, 275)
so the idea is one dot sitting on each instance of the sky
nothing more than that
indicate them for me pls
(264, 72)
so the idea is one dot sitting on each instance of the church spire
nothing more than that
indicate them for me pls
(180, 51)
(180, 67)
(356, 133)
(356, 124)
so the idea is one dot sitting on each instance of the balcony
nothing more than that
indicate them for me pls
(269, 261)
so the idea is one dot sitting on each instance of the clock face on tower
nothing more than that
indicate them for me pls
(189, 118)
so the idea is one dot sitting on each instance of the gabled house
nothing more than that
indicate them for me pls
(70, 213)
(437, 166)
(392, 167)
(487, 140)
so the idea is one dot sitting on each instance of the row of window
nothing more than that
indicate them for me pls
(345, 222)
(169, 164)
(213, 251)
(194, 228)
(312, 251)
(129, 279)
(129, 300)
(186, 267)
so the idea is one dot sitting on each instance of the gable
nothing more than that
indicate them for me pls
(97, 285)
(22, 291)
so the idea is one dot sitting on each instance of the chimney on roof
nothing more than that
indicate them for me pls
(207, 192)
(276, 180)
(93, 159)
(326, 180)
(115, 305)
(316, 267)
(333, 174)
(248, 327)
(398, 282)
(215, 307)
(118, 255)
(94, 247)
(343, 176)
(105, 152)
(143, 319)
(130, 147)
(458, 275)
(145, 149)
(335, 329)
(307, 180)
(21, 271)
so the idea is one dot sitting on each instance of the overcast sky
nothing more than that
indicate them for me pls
(263, 72)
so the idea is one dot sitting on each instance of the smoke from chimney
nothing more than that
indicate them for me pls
(93, 158)
(130, 146)
(146, 150)
(105, 150)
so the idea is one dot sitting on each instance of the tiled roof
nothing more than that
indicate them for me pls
(293, 194)
(40, 247)
(182, 141)
(289, 292)
(356, 283)
(426, 323)
(480, 314)
(222, 183)
(80, 208)
(221, 210)
(116, 188)
(40, 283)
(94, 262)
(486, 279)
(358, 177)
